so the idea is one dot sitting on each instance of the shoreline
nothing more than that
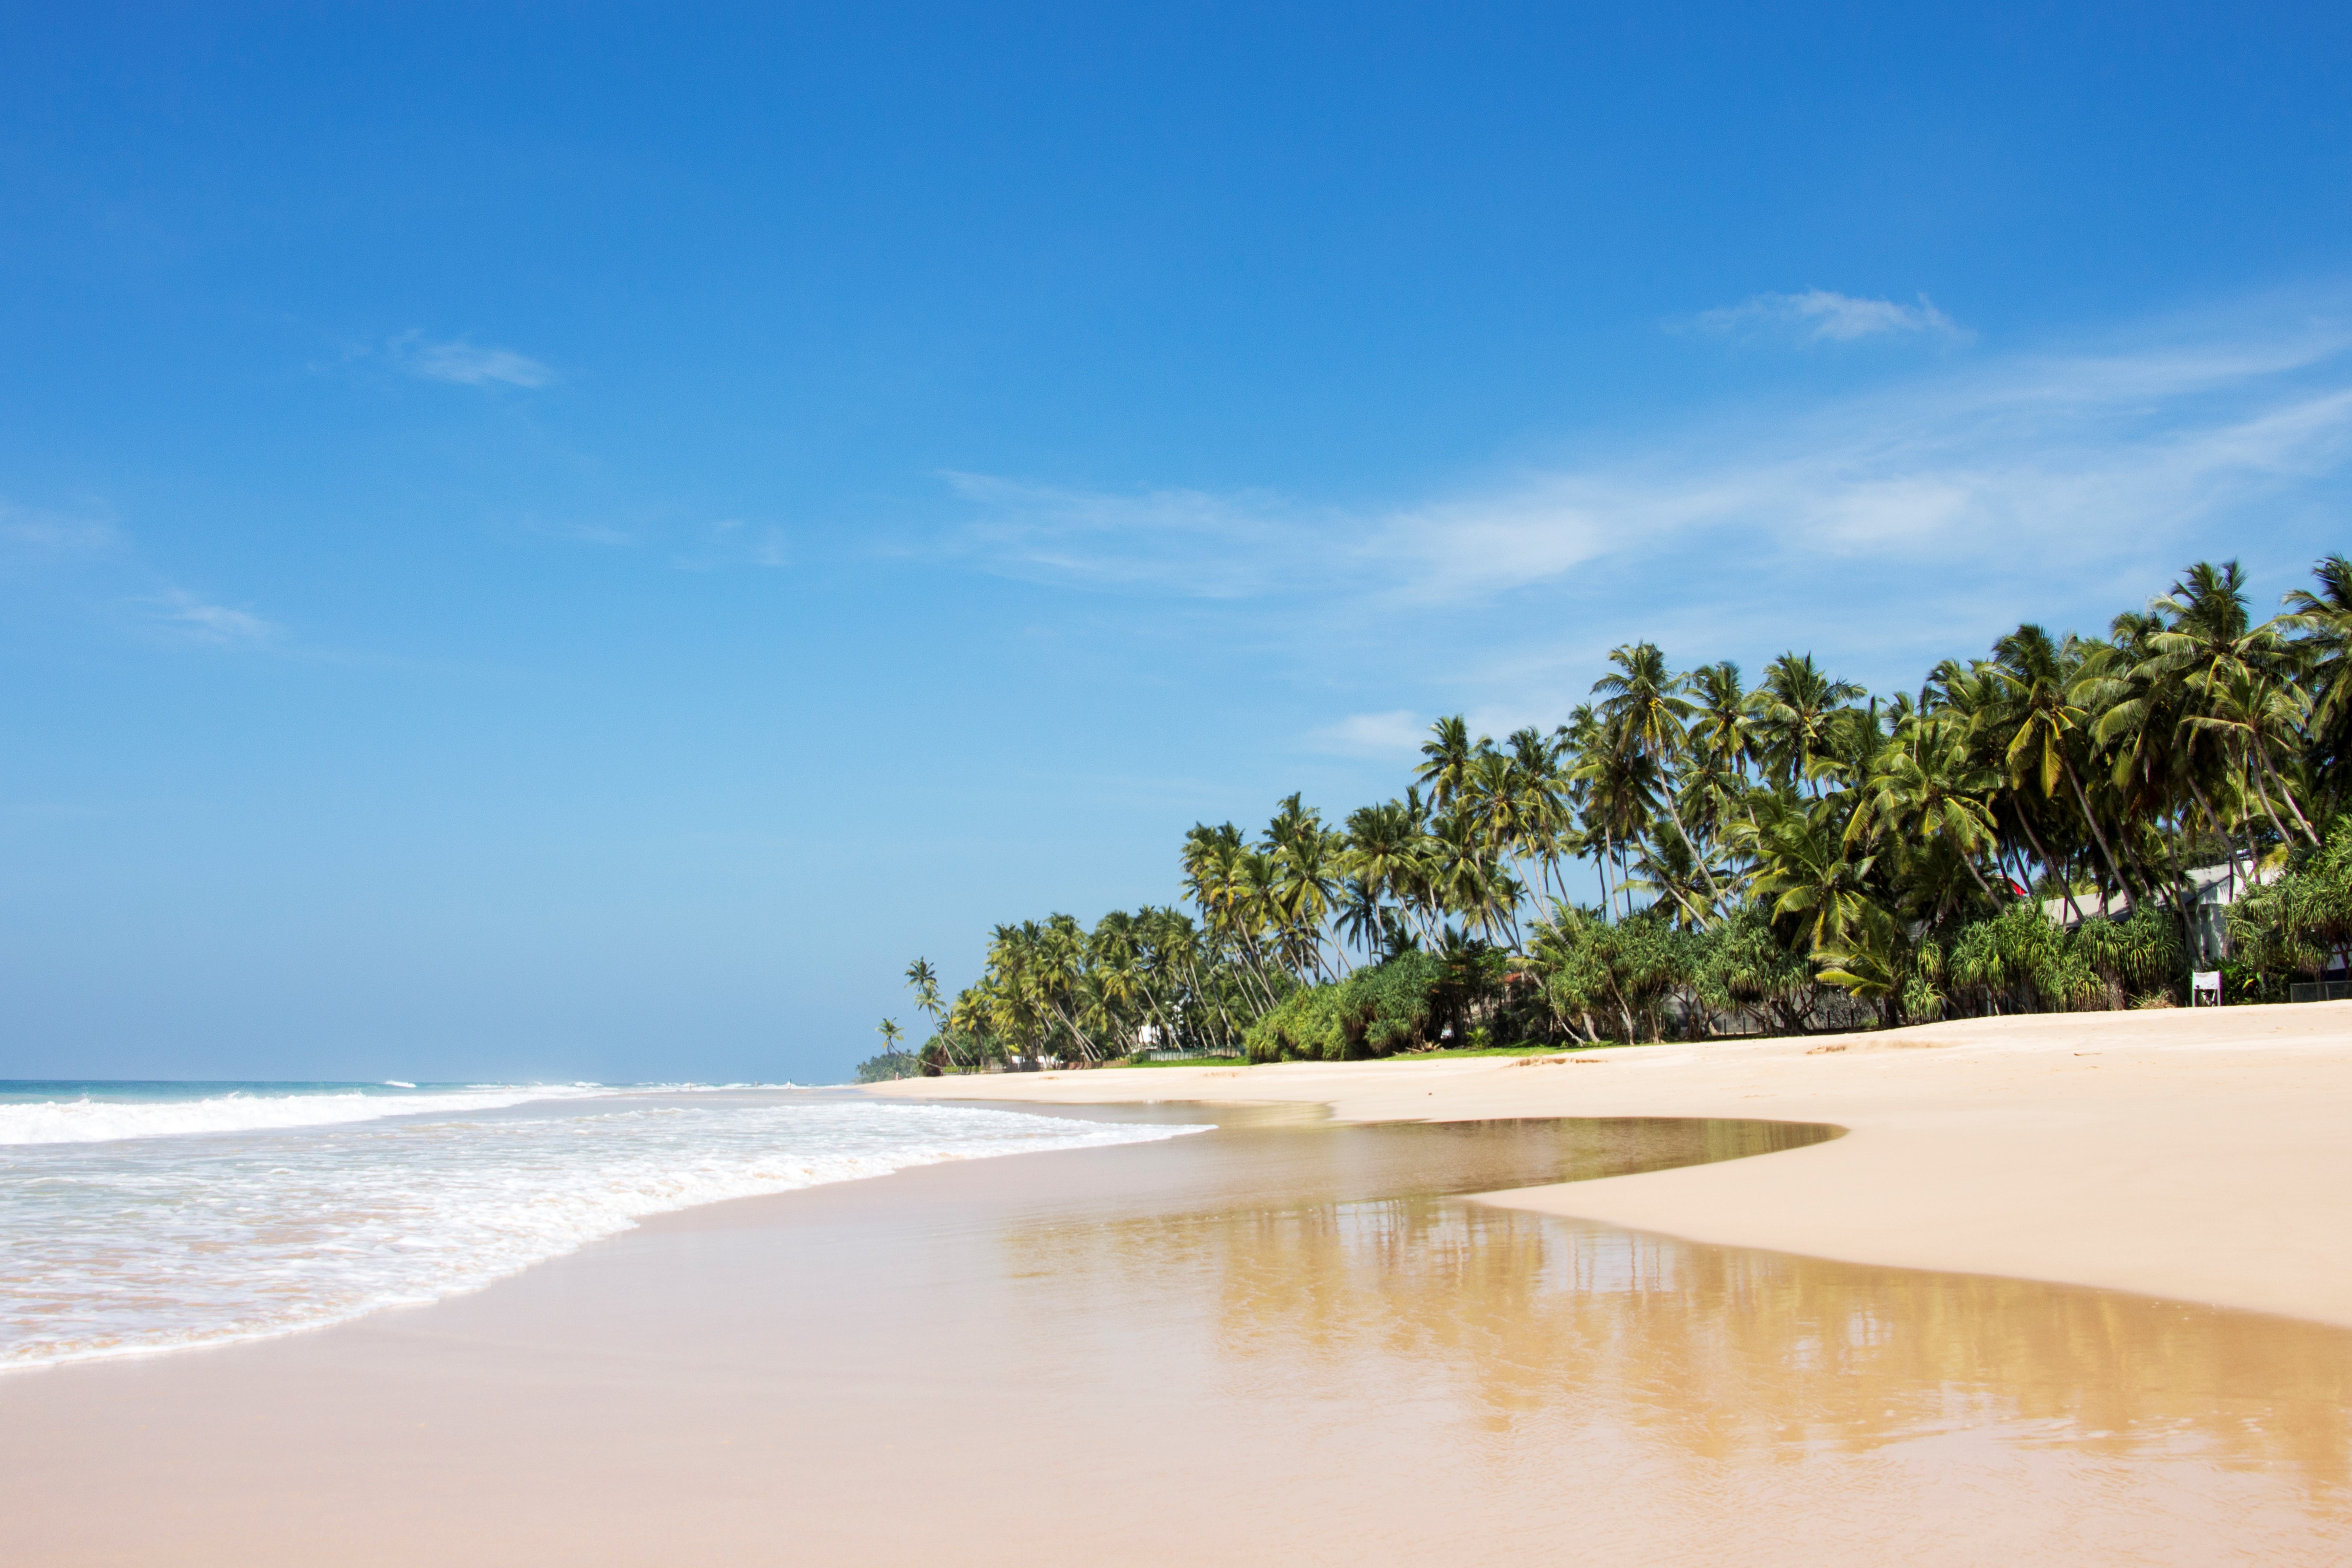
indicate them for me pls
(999, 1360)
(2200, 1155)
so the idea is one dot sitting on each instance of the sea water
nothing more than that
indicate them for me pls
(149, 1216)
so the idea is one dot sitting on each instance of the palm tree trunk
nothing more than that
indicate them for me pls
(2065, 885)
(2262, 754)
(2097, 832)
(2222, 828)
(1675, 815)
(1970, 861)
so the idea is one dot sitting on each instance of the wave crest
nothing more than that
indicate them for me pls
(87, 1121)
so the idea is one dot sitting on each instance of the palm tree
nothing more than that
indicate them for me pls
(1790, 712)
(1544, 816)
(2266, 717)
(1810, 836)
(1306, 860)
(924, 981)
(2038, 711)
(890, 1031)
(1447, 758)
(1927, 791)
(1386, 850)
(2322, 651)
(1621, 799)
(1644, 713)
(1806, 874)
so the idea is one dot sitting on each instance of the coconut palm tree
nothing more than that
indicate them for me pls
(1445, 758)
(1927, 790)
(1643, 710)
(924, 981)
(1386, 846)
(2322, 654)
(1620, 791)
(2039, 713)
(1795, 834)
(1544, 816)
(2265, 718)
(1790, 712)
(1805, 873)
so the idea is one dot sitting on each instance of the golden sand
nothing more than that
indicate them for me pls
(2205, 1156)
(1289, 1340)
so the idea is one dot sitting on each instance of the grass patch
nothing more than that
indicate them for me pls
(1454, 1051)
(1446, 1055)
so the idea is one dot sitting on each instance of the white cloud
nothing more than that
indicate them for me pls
(1395, 734)
(183, 612)
(2034, 463)
(1882, 530)
(1209, 546)
(467, 363)
(1825, 316)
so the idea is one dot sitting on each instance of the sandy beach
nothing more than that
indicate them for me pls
(1300, 1337)
(2201, 1156)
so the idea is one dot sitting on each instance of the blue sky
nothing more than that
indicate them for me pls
(573, 541)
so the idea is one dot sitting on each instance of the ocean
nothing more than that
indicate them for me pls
(140, 1217)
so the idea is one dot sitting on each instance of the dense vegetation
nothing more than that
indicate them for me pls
(1784, 858)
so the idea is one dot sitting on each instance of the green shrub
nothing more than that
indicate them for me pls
(1376, 1012)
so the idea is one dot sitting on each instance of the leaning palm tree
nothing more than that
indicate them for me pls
(2040, 714)
(2265, 718)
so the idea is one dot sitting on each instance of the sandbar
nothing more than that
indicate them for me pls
(2204, 1156)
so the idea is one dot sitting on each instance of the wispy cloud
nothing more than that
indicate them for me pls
(468, 364)
(54, 533)
(2058, 484)
(1825, 316)
(597, 534)
(1398, 733)
(733, 541)
(1214, 547)
(2042, 460)
(186, 615)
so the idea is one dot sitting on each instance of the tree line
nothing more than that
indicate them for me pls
(1690, 854)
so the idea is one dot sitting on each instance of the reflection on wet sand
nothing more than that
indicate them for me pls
(1283, 1341)
(1544, 1339)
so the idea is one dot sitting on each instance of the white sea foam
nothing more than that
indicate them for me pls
(150, 1243)
(93, 1121)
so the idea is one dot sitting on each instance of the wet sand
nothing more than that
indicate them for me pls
(2205, 1156)
(1279, 1342)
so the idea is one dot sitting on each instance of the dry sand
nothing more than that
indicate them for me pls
(2204, 1156)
